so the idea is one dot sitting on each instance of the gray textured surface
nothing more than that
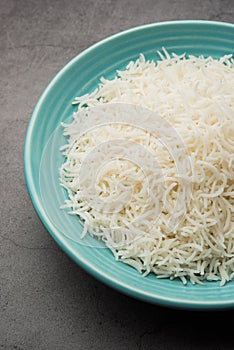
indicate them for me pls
(46, 301)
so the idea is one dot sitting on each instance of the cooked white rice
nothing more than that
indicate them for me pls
(162, 205)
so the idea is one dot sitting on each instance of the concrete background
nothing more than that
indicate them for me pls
(46, 301)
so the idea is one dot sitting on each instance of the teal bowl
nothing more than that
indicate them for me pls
(42, 156)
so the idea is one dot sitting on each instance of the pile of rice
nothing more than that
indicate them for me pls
(151, 215)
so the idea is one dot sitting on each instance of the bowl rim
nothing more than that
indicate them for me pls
(135, 292)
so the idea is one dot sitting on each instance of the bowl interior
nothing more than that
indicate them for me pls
(44, 137)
